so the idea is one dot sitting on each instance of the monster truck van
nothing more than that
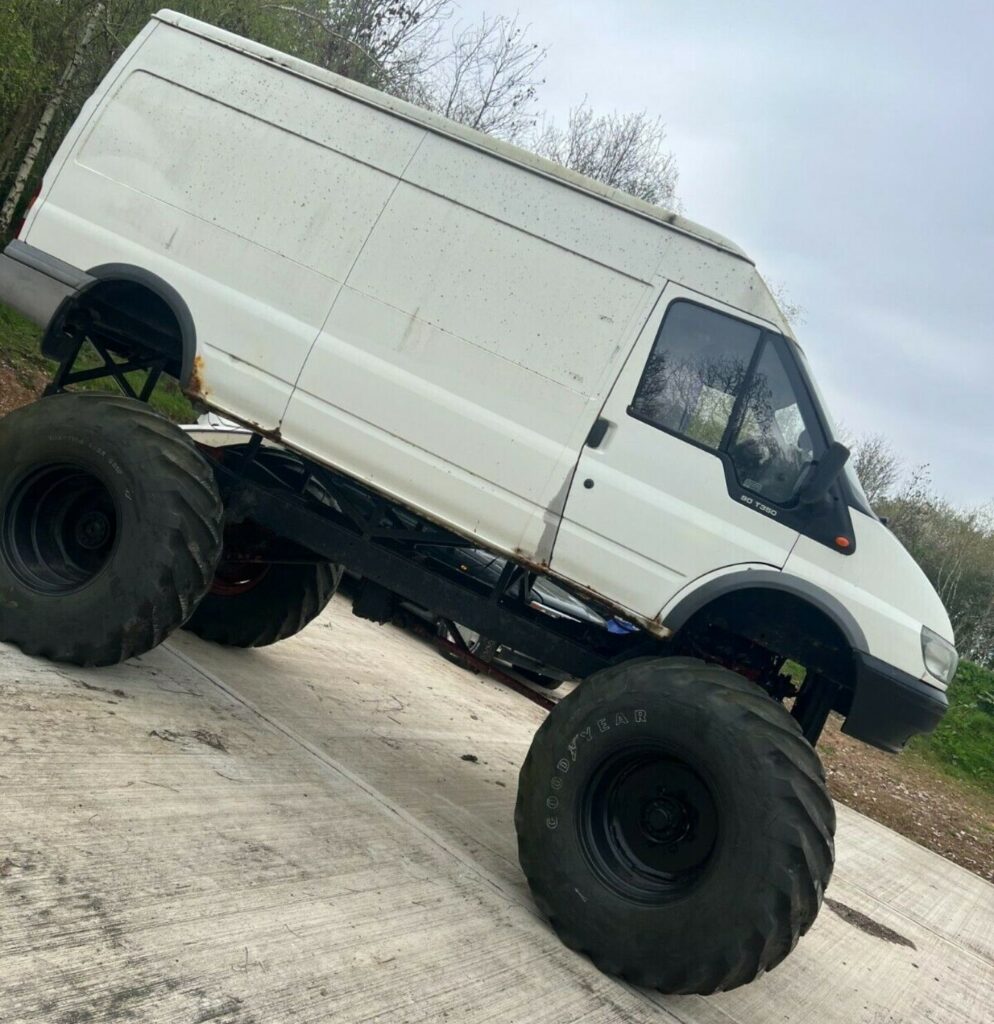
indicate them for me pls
(339, 271)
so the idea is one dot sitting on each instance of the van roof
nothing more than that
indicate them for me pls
(442, 125)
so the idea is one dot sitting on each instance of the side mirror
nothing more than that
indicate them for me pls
(826, 472)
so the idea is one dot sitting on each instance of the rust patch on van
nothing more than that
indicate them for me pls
(197, 386)
(527, 561)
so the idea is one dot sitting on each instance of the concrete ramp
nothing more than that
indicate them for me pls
(322, 831)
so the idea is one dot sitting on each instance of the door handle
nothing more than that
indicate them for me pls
(597, 433)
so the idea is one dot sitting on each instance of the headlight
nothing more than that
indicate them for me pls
(940, 656)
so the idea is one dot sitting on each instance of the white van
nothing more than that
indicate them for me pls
(445, 340)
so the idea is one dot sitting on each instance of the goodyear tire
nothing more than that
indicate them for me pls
(674, 825)
(110, 528)
(254, 606)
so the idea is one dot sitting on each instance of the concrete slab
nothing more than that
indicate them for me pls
(293, 835)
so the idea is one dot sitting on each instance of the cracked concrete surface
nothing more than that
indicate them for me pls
(322, 831)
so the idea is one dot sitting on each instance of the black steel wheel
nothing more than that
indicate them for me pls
(648, 824)
(674, 825)
(59, 529)
(110, 524)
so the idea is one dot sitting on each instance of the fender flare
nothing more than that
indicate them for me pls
(767, 579)
(51, 344)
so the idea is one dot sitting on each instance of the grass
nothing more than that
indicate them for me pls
(963, 742)
(20, 342)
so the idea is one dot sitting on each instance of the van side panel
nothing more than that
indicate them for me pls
(210, 171)
(466, 357)
(490, 297)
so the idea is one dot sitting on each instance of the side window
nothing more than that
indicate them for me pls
(721, 383)
(772, 446)
(696, 372)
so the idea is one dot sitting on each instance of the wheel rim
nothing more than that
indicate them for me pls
(242, 567)
(59, 530)
(648, 825)
(234, 578)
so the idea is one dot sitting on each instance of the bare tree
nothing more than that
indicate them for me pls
(625, 151)
(877, 465)
(486, 77)
(793, 312)
(382, 43)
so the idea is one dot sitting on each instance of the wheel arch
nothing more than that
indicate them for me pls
(791, 616)
(130, 300)
(767, 580)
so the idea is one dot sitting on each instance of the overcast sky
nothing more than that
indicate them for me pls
(849, 149)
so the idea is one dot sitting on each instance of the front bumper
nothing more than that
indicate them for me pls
(889, 706)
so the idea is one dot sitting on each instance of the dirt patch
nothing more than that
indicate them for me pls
(912, 797)
(866, 924)
(165, 734)
(18, 386)
(101, 689)
(210, 739)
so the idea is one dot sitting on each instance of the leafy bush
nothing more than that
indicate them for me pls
(963, 742)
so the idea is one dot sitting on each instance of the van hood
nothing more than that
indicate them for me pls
(888, 571)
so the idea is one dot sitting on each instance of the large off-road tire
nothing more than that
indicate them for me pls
(254, 606)
(110, 528)
(674, 825)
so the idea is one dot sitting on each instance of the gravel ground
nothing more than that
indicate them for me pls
(911, 796)
(17, 386)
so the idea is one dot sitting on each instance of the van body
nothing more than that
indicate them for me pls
(589, 385)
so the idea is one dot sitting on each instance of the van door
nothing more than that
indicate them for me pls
(695, 462)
